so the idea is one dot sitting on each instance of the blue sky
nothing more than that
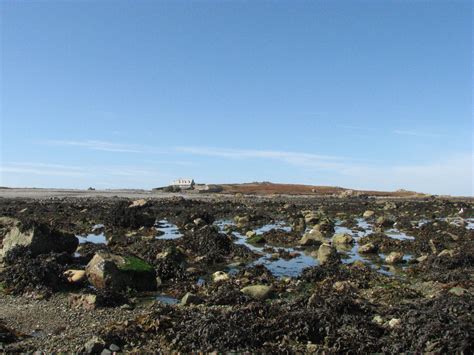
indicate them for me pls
(360, 94)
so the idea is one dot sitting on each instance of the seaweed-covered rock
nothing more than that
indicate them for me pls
(368, 248)
(211, 246)
(38, 238)
(115, 272)
(328, 254)
(28, 273)
(342, 239)
(313, 237)
(124, 217)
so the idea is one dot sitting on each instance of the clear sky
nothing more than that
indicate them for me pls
(360, 94)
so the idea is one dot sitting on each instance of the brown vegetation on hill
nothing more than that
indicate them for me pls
(267, 188)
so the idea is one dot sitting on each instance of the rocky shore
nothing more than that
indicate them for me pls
(236, 273)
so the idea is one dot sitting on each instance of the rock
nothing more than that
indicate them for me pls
(311, 218)
(241, 221)
(87, 302)
(299, 225)
(94, 346)
(384, 222)
(220, 276)
(259, 292)
(190, 298)
(327, 253)
(199, 222)
(368, 214)
(343, 286)
(378, 320)
(106, 352)
(359, 264)
(446, 253)
(138, 203)
(422, 258)
(394, 257)
(114, 348)
(326, 227)
(368, 248)
(394, 323)
(389, 206)
(257, 239)
(313, 237)
(115, 272)
(250, 234)
(37, 237)
(343, 238)
(458, 291)
(75, 276)
(433, 248)
(453, 236)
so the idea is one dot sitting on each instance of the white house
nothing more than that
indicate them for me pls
(183, 183)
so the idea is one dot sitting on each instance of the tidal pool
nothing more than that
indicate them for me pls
(95, 237)
(170, 230)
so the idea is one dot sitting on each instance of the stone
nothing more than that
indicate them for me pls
(368, 248)
(422, 258)
(220, 276)
(241, 221)
(38, 238)
(311, 217)
(446, 253)
(299, 225)
(115, 272)
(394, 257)
(87, 301)
(368, 214)
(75, 276)
(359, 264)
(257, 239)
(342, 238)
(199, 222)
(378, 320)
(384, 222)
(250, 234)
(259, 292)
(326, 226)
(190, 298)
(327, 253)
(458, 291)
(313, 237)
(106, 352)
(342, 286)
(94, 346)
(390, 206)
(394, 323)
(114, 348)
(138, 203)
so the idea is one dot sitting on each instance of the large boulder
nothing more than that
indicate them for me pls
(116, 272)
(38, 238)
(328, 254)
